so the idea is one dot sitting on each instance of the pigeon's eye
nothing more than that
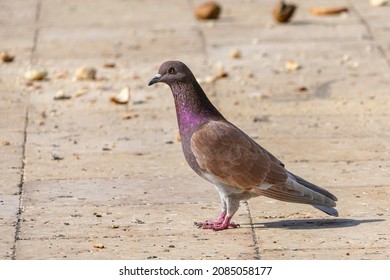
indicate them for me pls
(171, 70)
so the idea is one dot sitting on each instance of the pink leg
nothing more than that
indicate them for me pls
(219, 220)
(224, 225)
(223, 222)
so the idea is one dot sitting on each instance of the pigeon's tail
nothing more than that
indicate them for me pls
(298, 190)
(326, 208)
(312, 186)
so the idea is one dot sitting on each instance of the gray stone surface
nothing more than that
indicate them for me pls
(124, 182)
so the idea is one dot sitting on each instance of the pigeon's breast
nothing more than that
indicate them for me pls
(188, 154)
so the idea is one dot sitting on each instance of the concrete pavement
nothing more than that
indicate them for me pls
(120, 178)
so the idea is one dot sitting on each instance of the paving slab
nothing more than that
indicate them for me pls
(288, 236)
(162, 230)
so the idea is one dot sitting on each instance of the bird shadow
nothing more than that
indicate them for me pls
(314, 223)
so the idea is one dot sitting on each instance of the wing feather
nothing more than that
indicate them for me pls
(233, 158)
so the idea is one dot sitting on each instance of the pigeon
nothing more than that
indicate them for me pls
(224, 155)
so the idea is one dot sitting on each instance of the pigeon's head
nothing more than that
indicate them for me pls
(172, 72)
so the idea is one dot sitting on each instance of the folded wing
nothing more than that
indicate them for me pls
(234, 159)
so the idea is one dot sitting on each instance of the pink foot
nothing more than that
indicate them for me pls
(218, 224)
(219, 220)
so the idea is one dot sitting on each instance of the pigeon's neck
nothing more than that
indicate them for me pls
(193, 108)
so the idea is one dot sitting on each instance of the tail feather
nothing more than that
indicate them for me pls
(324, 208)
(298, 190)
(328, 210)
(312, 186)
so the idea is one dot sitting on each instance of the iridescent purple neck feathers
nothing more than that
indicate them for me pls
(193, 108)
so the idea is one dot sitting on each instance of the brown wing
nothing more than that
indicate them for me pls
(235, 159)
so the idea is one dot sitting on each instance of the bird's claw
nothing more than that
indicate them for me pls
(215, 226)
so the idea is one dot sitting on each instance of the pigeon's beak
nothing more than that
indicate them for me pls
(155, 79)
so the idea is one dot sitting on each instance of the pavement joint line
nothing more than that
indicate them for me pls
(201, 35)
(36, 32)
(26, 121)
(21, 184)
(371, 36)
(382, 52)
(254, 236)
(362, 21)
